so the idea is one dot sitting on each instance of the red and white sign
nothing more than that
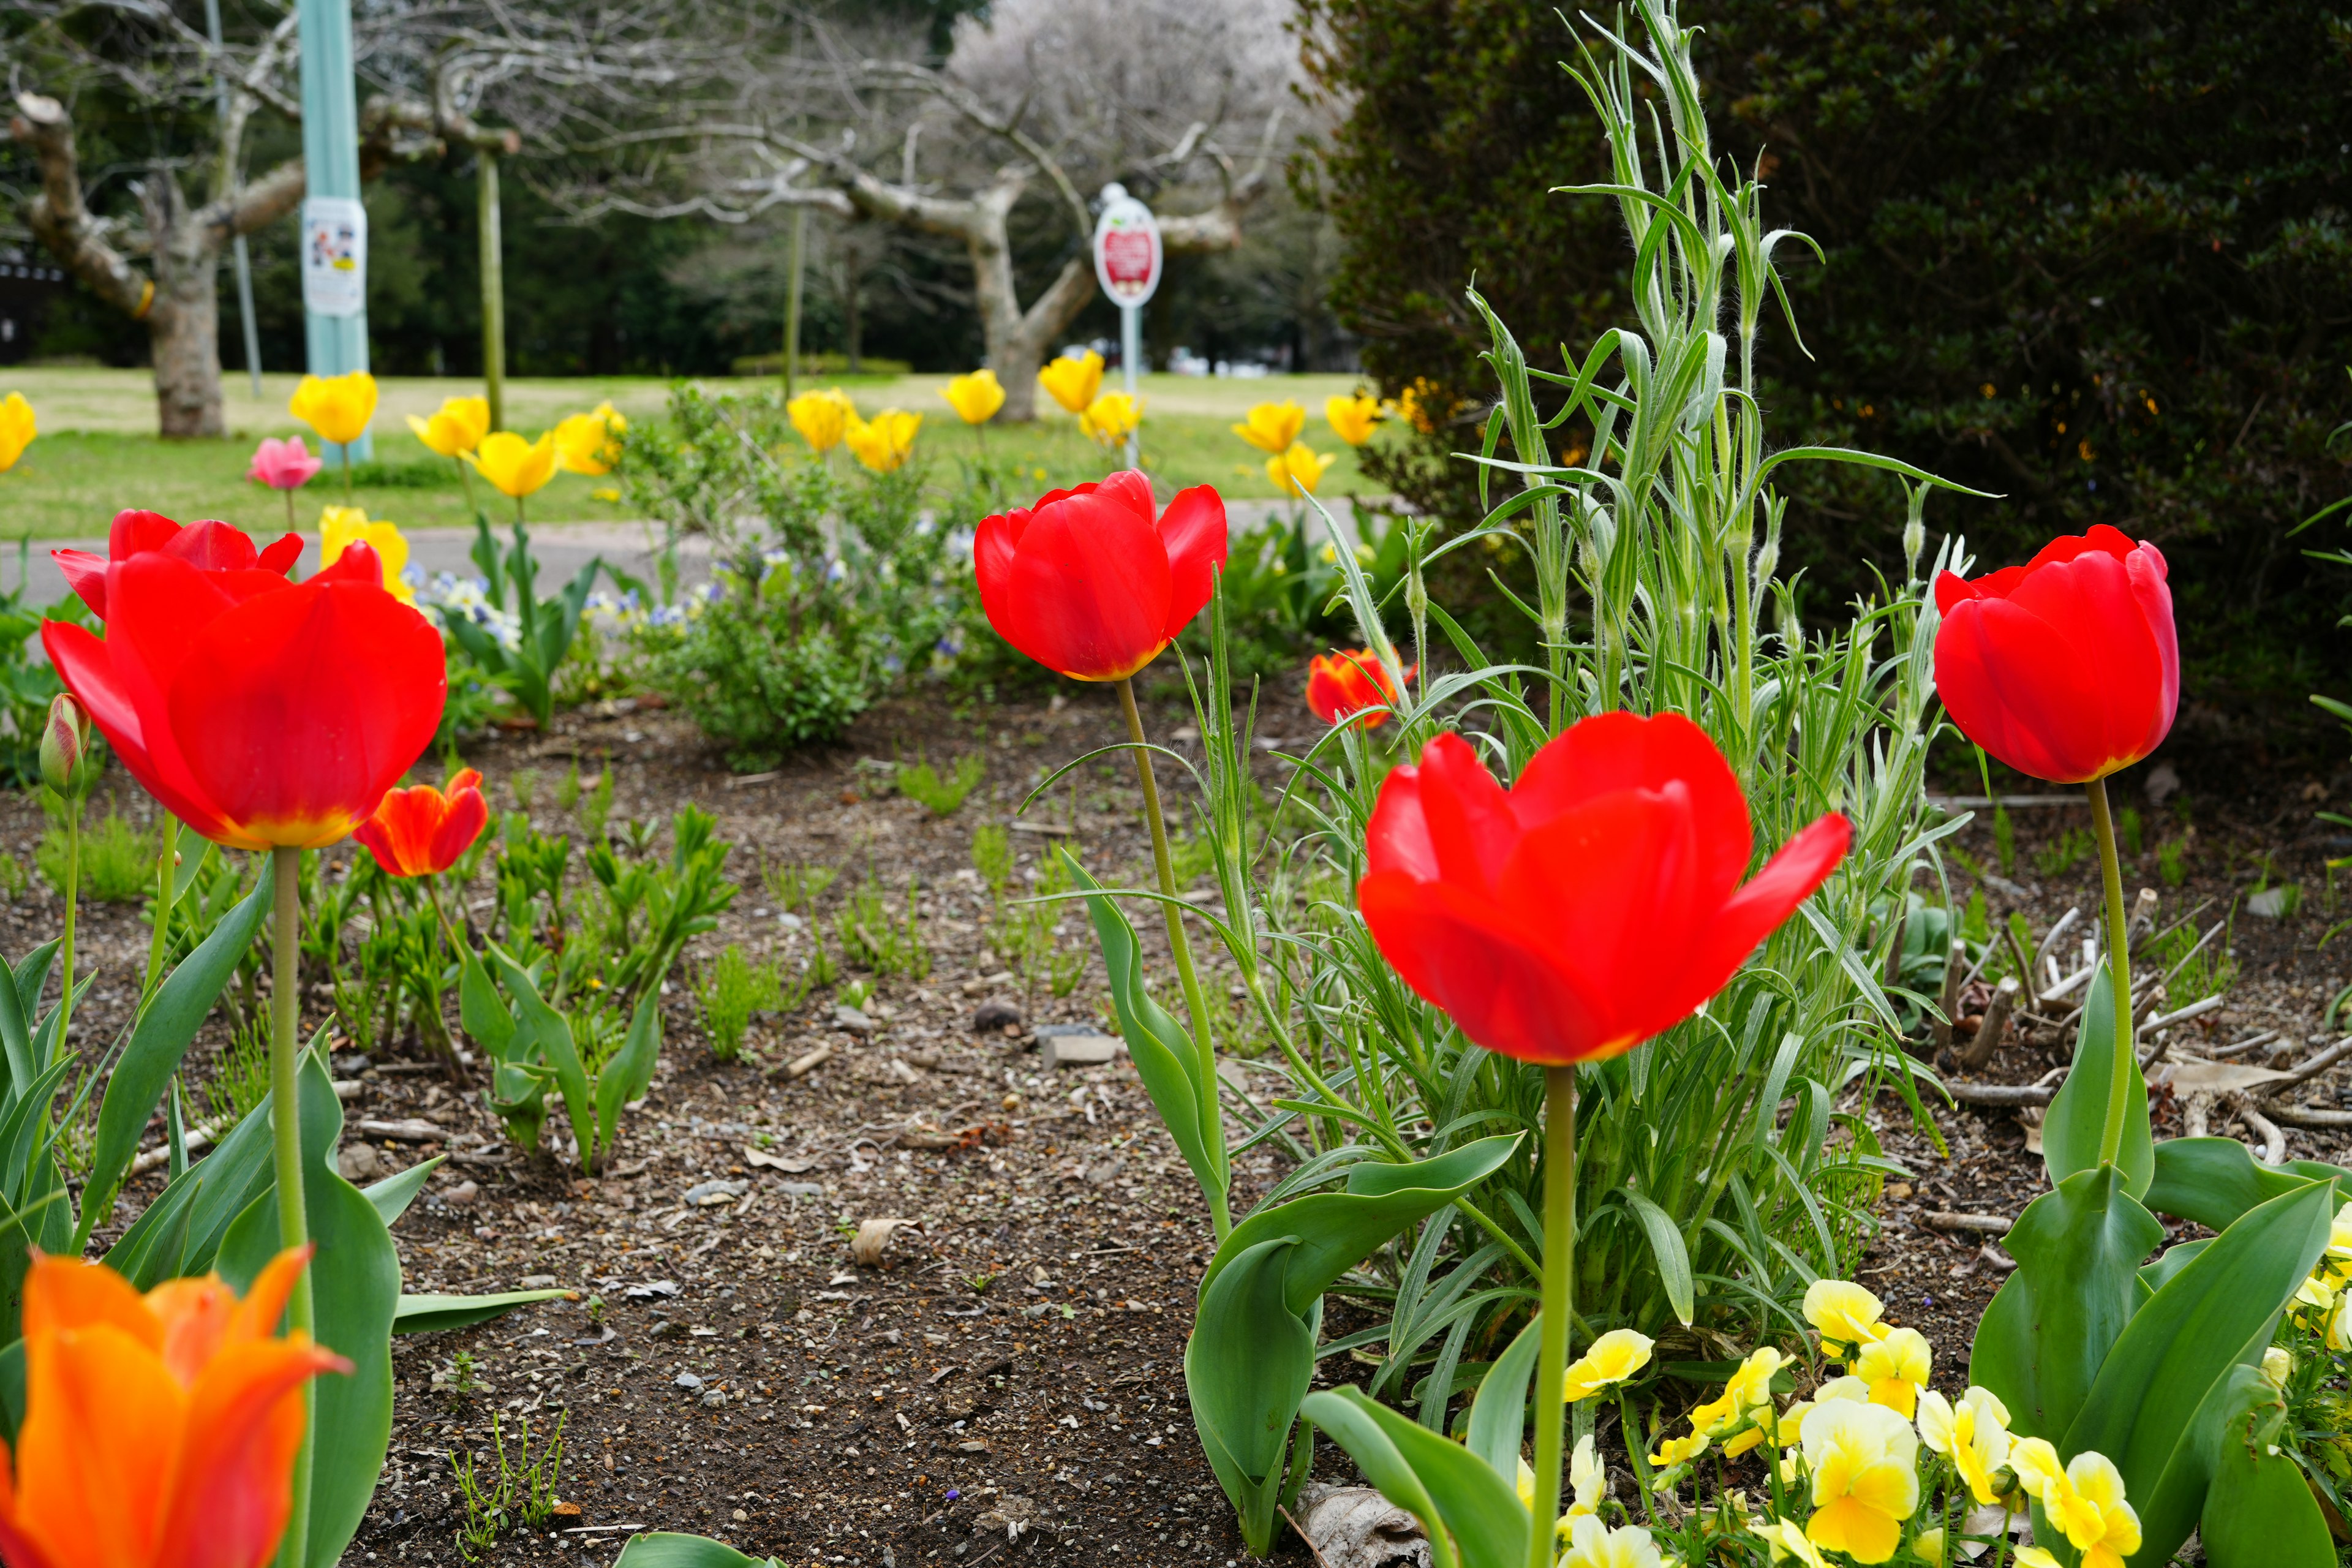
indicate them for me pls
(1128, 258)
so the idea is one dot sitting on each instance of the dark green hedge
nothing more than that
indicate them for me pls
(2094, 256)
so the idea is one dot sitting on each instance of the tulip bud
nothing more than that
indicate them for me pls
(65, 748)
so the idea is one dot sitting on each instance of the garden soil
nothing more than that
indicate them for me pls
(999, 1377)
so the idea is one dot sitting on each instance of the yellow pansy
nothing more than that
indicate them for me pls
(2278, 1365)
(1585, 1476)
(2034, 1557)
(1675, 1450)
(821, 417)
(1866, 1481)
(1614, 1357)
(1273, 427)
(1111, 418)
(1974, 1433)
(1593, 1544)
(341, 527)
(2037, 1466)
(885, 442)
(1896, 1367)
(1072, 383)
(975, 397)
(1352, 418)
(1845, 1315)
(458, 426)
(17, 429)
(590, 442)
(2090, 1511)
(1746, 1397)
(513, 466)
(336, 406)
(1297, 470)
(1927, 1546)
(1786, 1538)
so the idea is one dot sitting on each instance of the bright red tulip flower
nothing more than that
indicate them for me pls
(421, 831)
(160, 1429)
(1596, 903)
(262, 713)
(1341, 685)
(210, 546)
(2067, 667)
(1088, 583)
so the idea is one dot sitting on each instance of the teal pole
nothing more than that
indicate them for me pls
(334, 304)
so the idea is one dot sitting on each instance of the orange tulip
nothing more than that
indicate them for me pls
(159, 1430)
(1351, 688)
(420, 831)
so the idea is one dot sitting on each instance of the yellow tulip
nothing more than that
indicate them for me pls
(1111, 418)
(823, 418)
(337, 408)
(1845, 1315)
(591, 443)
(1273, 427)
(1614, 1357)
(513, 466)
(885, 441)
(1863, 1459)
(975, 397)
(341, 527)
(1298, 470)
(1074, 382)
(16, 430)
(1897, 1368)
(1353, 418)
(458, 426)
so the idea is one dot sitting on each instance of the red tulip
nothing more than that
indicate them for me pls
(159, 1430)
(1595, 904)
(421, 831)
(1341, 685)
(1087, 583)
(210, 546)
(2067, 667)
(261, 712)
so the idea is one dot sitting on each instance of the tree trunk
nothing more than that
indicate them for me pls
(852, 333)
(183, 323)
(1018, 340)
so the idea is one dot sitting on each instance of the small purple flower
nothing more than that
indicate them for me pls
(954, 1493)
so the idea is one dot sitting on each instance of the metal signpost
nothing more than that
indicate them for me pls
(334, 224)
(1128, 263)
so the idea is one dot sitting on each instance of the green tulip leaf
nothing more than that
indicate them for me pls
(1248, 1364)
(2166, 1373)
(663, 1550)
(355, 1285)
(2212, 1181)
(1163, 1053)
(1472, 1512)
(551, 1037)
(1498, 1415)
(482, 1010)
(2078, 1113)
(2042, 1342)
(392, 1194)
(631, 1069)
(2259, 1512)
(432, 1314)
(162, 1038)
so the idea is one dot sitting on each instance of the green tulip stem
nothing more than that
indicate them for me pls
(167, 859)
(1203, 1043)
(2120, 1075)
(289, 511)
(1558, 1308)
(286, 1126)
(347, 474)
(57, 1046)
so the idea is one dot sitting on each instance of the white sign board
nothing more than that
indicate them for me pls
(334, 256)
(1128, 258)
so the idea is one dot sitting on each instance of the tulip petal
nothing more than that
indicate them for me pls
(88, 668)
(232, 1496)
(85, 574)
(1087, 592)
(463, 823)
(1771, 897)
(2090, 601)
(195, 1316)
(1397, 838)
(281, 553)
(1471, 828)
(296, 711)
(103, 1425)
(66, 1293)
(265, 1303)
(1130, 489)
(1451, 950)
(1612, 752)
(2014, 684)
(1194, 530)
(213, 546)
(135, 531)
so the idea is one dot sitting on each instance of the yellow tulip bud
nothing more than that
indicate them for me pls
(1273, 427)
(885, 442)
(17, 429)
(1353, 418)
(513, 466)
(1111, 418)
(823, 418)
(1297, 470)
(337, 408)
(975, 397)
(341, 527)
(458, 426)
(1074, 382)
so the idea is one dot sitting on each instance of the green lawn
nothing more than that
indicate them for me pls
(96, 454)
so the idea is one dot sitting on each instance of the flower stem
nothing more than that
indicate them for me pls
(1558, 1307)
(57, 1046)
(1212, 1111)
(289, 510)
(347, 478)
(2111, 1135)
(286, 1125)
(166, 871)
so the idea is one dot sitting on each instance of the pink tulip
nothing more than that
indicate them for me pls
(283, 465)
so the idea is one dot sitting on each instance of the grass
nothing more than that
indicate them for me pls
(943, 796)
(96, 453)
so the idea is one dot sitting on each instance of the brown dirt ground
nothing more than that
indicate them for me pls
(1006, 1385)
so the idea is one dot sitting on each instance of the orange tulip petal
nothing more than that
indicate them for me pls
(104, 1422)
(196, 1316)
(232, 1495)
(66, 1293)
(257, 1314)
